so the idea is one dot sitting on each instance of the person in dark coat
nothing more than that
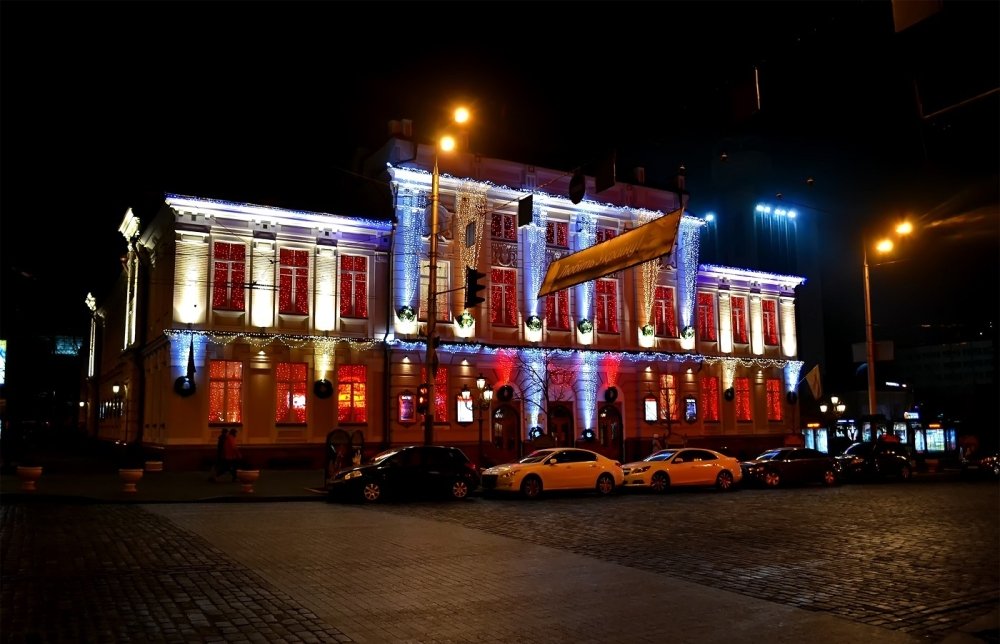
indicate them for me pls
(231, 452)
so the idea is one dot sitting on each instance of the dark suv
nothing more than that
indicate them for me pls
(876, 460)
(791, 465)
(416, 470)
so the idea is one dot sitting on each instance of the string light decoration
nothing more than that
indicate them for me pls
(534, 264)
(532, 386)
(260, 340)
(649, 275)
(585, 238)
(687, 267)
(587, 387)
(792, 370)
(410, 244)
(471, 210)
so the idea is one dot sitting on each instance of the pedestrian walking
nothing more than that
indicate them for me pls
(657, 445)
(220, 466)
(231, 452)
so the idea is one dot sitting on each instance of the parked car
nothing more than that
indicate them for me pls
(791, 465)
(876, 460)
(688, 466)
(981, 463)
(416, 470)
(556, 468)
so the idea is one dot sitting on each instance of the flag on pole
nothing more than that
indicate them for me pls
(814, 382)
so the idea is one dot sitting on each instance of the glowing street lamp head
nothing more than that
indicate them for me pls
(884, 246)
(462, 115)
(904, 228)
(447, 143)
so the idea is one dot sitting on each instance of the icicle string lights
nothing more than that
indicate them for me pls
(410, 246)
(687, 267)
(261, 340)
(471, 209)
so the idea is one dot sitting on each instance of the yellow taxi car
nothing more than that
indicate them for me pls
(556, 468)
(689, 466)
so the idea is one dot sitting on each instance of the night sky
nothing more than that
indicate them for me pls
(106, 106)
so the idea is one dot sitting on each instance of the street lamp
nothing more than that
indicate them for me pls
(485, 400)
(446, 143)
(883, 246)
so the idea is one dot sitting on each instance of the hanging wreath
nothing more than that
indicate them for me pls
(465, 320)
(535, 432)
(588, 435)
(184, 386)
(647, 330)
(611, 394)
(323, 388)
(406, 314)
(505, 393)
(585, 326)
(729, 393)
(534, 323)
(688, 332)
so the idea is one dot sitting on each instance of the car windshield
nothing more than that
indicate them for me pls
(859, 448)
(384, 455)
(662, 455)
(537, 457)
(769, 455)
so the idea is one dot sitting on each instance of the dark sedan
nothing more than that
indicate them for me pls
(982, 463)
(416, 470)
(791, 465)
(876, 460)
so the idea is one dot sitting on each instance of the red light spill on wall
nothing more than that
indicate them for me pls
(505, 366)
(611, 364)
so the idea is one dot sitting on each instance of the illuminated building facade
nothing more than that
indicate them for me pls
(290, 324)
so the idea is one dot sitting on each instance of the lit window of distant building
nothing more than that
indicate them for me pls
(225, 391)
(443, 309)
(503, 227)
(293, 281)
(353, 286)
(664, 318)
(775, 408)
(742, 391)
(770, 312)
(710, 398)
(557, 310)
(503, 296)
(290, 398)
(706, 317)
(739, 307)
(228, 276)
(352, 389)
(557, 234)
(606, 306)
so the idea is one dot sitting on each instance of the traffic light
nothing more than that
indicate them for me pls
(472, 287)
(422, 398)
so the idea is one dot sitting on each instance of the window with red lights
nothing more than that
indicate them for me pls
(503, 296)
(769, 309)
(664, 318)
(225, 391)
(293, 281)
(741, 386)
(739, 307)
(290, 392)
(229, 269)
(775, 409)
(557, 310)
(503, 226)
(557, 234)
(706, 317)
(353, 286)
(440, 393)
(604, 234)
(352, 393)
(710, 398)
(668, 397)
(606, 306)
(443, 309)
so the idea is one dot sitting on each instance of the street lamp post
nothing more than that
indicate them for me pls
(833, 410)
(446, 143)
(485, 399)
(883, 246)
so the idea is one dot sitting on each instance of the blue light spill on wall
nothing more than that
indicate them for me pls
(531, 384)
(588, 389)
(585, 238)
(534, 265)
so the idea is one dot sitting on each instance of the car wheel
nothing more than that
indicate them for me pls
(459, 489)
(531, 487)
(660, 482)
(772, 478)
(371, 492)
(605, 484)
(829, 478)
(724, 481)
(905, 473)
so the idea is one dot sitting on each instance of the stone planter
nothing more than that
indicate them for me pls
(29, 475)
(129, 477)
(154, 466)
(247, 479)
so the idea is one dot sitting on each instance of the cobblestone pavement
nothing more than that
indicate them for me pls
(920, 557)
(881, 563)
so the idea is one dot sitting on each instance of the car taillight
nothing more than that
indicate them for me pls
(472, 466)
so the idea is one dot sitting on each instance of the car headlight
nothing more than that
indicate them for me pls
(640, 469)
(509, 474)
(352, 475)
(857, 460)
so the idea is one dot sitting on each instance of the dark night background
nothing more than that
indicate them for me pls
(106, 106)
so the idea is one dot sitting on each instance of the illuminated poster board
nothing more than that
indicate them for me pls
(463, 410)
(407, 408)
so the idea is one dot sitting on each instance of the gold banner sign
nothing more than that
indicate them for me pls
(638, 245)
